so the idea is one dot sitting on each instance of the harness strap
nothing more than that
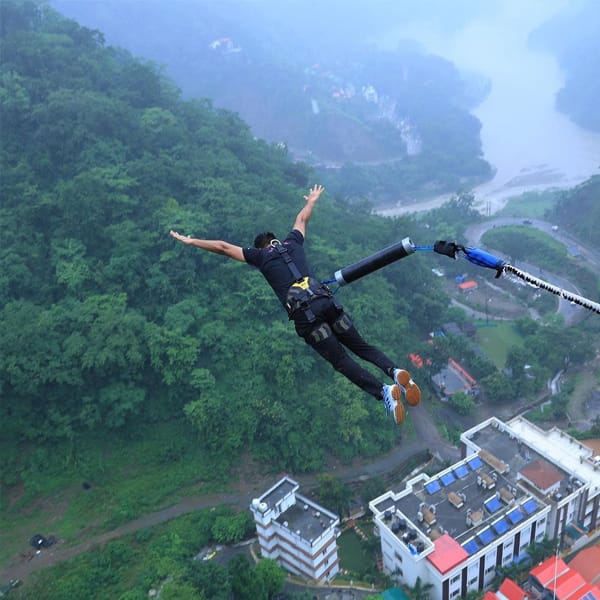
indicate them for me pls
(320, 333)
(283, 252)
(304, 289)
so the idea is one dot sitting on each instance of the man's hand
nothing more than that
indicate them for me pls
(303, 217)
(314, 193)
(186, 239)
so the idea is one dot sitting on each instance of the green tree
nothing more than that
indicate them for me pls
(244, 585)
(334, 494)
(233, 529)
(462, 403)
(271, 578)
(420, 591)
(499, 388)
(209, 578)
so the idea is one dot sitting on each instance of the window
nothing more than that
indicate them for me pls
(472, 581)
(398, 556)
(455, 579)
(455, 593)
(490, 569)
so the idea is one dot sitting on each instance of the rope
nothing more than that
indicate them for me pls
(571, 297)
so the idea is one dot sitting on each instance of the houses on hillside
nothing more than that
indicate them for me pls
(515, 485)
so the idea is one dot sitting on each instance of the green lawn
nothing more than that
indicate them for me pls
(495, 341)
(126, 479)
(530, 204)
(352, 557)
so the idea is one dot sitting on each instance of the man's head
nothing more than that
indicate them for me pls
(262, 240)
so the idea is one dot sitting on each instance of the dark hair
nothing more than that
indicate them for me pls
(263, 239)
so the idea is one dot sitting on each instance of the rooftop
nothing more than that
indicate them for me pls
(447, 554)
(306, 519)
(279, 491)
(481, 497)
(587, 563)
(569, 454)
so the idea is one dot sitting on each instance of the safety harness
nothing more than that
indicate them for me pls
(304, 289)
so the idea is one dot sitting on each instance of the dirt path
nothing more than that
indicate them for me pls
(248, 486)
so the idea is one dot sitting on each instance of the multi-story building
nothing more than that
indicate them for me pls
(515, 485)
(299, 534)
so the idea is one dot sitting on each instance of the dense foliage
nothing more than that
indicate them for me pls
(310, 91)
(106, 323)
(578, 211)
(166, 559)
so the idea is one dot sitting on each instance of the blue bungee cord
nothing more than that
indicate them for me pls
(476, 256)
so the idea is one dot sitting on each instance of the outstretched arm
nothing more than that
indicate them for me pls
(216, 246)
(303, 217)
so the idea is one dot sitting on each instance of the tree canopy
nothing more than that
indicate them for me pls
(106, 323)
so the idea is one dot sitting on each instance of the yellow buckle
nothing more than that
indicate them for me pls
(303, 283)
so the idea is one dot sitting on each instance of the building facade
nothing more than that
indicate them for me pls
(515, 485)
(299, 534)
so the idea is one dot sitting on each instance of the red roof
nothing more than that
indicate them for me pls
(448, 554)
(542, 474)
(587, 564)
(549, 570)
(467, 285)
(490, 596)
(511, 591)
(567, 584)
(587, 592)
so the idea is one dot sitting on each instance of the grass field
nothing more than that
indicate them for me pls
(352, 557)
(126, 478)
(531, 204)
(495, 341)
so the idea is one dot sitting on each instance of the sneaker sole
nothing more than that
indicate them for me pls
(411, 389)
(413, 394)
(399, 413)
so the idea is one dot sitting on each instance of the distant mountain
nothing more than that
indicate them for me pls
(574, 37)
(402, 116)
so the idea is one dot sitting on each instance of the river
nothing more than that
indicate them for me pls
(529, 143)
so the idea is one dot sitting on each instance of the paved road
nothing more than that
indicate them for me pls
(427, 436)
(571, 314)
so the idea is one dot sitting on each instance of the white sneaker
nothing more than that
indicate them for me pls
(408, 386)
(392, 400)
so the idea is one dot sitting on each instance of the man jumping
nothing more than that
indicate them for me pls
(318, 318)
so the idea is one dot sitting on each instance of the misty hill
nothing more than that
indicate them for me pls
(574, 36)
(330, 98)
(578, 211)
(108, 325)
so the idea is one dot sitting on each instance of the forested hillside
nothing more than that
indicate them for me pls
(398, 121)
(107, 324)
(575, 39)
(578, 211)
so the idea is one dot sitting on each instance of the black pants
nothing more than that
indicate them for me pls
(330, 333)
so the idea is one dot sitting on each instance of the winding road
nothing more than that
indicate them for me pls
(571, 314)
(242, 493)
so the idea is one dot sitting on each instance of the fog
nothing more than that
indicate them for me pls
(529, 143)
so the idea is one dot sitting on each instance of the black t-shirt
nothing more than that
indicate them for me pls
(274, 268)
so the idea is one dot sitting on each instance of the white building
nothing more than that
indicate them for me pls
(299, 534)
(515, 484)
